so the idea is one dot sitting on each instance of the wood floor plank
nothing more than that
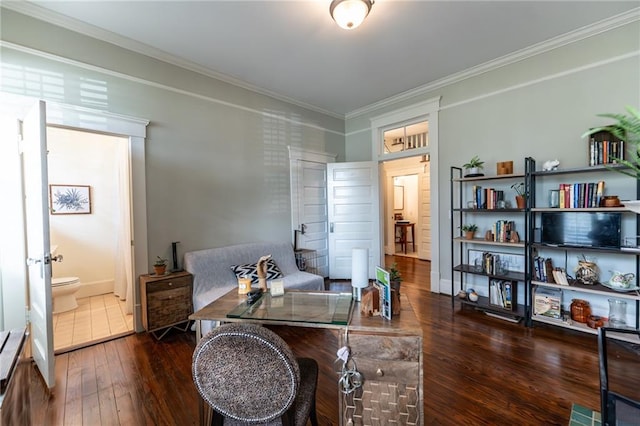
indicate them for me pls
(477, 370)
(73, 396)
(91, 409)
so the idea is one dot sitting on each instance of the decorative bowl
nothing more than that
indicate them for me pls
(594, 321)
(610, 201)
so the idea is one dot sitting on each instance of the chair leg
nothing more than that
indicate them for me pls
(312, 415)
(217, 418)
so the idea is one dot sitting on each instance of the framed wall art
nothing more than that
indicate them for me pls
(70, 199)
(398, 197)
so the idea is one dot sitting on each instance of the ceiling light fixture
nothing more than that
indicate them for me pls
(349, 14)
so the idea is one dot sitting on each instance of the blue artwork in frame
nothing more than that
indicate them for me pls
(70, 199)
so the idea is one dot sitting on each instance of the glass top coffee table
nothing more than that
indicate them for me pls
(294, 306)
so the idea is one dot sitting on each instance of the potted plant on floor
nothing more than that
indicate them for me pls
(160, 266)
(473, 167)
(469, 230)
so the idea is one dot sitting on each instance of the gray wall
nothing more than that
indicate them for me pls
(536, 107)
(217, 167)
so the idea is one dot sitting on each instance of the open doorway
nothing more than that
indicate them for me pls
(407, 206)
(95, 246)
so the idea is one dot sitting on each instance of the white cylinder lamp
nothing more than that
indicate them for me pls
(359, 271)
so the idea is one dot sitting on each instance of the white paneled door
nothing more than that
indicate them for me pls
(312, 212)
(354, 215)
(34, 134)
(424, 211)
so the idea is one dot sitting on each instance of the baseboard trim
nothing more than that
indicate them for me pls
(95, 288)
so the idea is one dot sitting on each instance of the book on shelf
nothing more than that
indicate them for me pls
(486, 198)
(547, 302)
(543, 270)
(500, 294)
(605, 148)
(502, 230)
(580, 195)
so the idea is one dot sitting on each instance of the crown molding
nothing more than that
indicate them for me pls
(605, 25)
(74, 25)
(54, 18)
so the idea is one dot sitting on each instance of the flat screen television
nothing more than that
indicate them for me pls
(581, 229)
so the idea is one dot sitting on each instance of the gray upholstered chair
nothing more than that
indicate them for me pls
(248, 375)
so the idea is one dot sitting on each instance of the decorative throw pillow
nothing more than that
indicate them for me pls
(250, 270)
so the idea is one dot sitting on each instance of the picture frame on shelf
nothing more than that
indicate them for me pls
(69, 199)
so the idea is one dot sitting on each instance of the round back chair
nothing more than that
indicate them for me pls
(248, 374)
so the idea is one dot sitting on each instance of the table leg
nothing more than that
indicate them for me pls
(404, 238)
(413, 237)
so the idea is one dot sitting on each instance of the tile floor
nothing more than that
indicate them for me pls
(97, 318)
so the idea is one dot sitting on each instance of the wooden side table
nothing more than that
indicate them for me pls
(166, 302)
(404, 227)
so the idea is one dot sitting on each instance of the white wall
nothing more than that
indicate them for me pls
(87, 241)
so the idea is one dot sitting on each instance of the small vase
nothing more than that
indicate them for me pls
(587, 272)
(580, 310)
(472, 171)
(521, 201)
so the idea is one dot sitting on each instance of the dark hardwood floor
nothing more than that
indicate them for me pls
(477, 371)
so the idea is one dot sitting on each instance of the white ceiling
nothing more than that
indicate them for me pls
(294, 50)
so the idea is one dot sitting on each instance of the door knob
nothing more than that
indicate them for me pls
(31, 261)
(57, 258)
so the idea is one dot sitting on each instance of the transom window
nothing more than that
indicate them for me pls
(411, 136)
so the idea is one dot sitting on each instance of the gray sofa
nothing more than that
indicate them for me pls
(213, 277)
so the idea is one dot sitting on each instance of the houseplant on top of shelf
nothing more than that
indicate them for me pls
(473, 167)
(627, 129)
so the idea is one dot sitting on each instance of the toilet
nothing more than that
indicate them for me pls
(63, 291)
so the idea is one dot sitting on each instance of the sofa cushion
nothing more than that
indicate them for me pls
(250, 270)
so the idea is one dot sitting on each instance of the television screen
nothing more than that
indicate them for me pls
(594, 229)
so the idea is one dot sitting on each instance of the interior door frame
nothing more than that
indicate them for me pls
(135, 130)
(296, 155)
(392, 171)
(423, 111)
